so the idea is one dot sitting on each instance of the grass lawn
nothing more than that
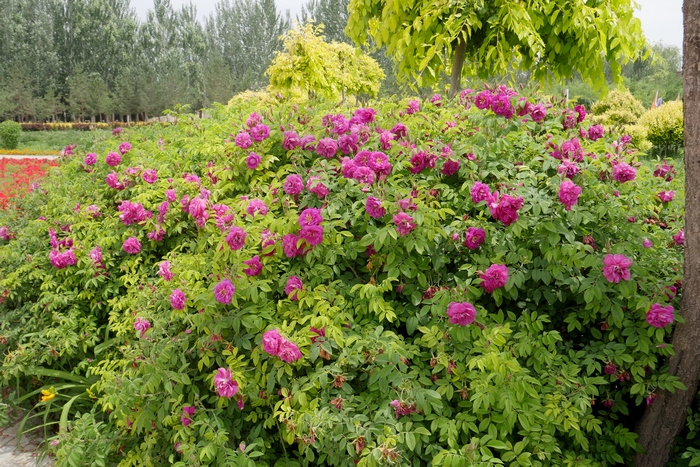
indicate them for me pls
(57, 140)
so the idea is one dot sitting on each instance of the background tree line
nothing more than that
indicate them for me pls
(96, 60)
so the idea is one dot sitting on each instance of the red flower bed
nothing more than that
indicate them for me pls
(16, 176)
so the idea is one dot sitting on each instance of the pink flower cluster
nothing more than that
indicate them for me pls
(178, 299)
(113, 159)
(310, 234)
(223, 291)
(504, 208)
(623, 172)
(495, 277)
(142, 325)
(131, 246)
(5, 233)
(61, 254)
(276, 345)
(224, 383)
(366, 167)
(404, 223)
(659, 316)
(187, 412)
(294, 284)
(132, 213)
(475, 236)
(568, 194)
(461, 313)
(616, 268)
(164, 271)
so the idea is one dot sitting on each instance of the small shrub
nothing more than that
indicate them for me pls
(10, 132)
(664, 125)
(619, 107)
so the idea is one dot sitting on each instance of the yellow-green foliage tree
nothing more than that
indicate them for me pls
(484, 38)
(310, 66)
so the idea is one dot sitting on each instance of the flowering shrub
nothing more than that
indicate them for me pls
(17, 176)
(505, 310)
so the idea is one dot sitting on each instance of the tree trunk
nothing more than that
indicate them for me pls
(457, 63)
(665, 418)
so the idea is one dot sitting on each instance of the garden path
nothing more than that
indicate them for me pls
(23, 456)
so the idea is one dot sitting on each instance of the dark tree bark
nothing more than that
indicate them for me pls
(665, 418)
(457, 63)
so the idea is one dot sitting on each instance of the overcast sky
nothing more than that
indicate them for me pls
(662, 20)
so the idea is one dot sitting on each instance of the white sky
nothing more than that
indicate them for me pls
(662, 20)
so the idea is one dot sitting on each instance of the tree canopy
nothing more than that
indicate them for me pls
(486, 37)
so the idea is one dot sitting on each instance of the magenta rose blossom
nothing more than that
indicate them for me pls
(113, 159)
(313, 234)
(462, 314)
(293, 185)
(475, 237)
(90, 158)
(595, 132)
(327, 147)
(177, 299)
(647, 243)
(271, 341)
(569, 193)
(310, 216)
(404, 223)
(291, 140)
(505, 208)
(480, 192)
(164, 271)
(187, 412)
(659, 316)
(95, 254)
(223, 292)
(450, 167)
(289, 245)
(293, 284)
(623, 172)
(141, 325)
(256, 206)
(494, 277)
(252, 161)
(150, 176)
(236, 237)
(616, 268)
(260, 132)
(374, 207)
(132, 245)
(538, 112)
(224, 383)
(288, 351)
(483, 100)
(679, 238)
(124, 147)
(243, 140)
(254, 266)
(666, 196)
(61, 260)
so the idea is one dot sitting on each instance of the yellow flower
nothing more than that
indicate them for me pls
(47, 394)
